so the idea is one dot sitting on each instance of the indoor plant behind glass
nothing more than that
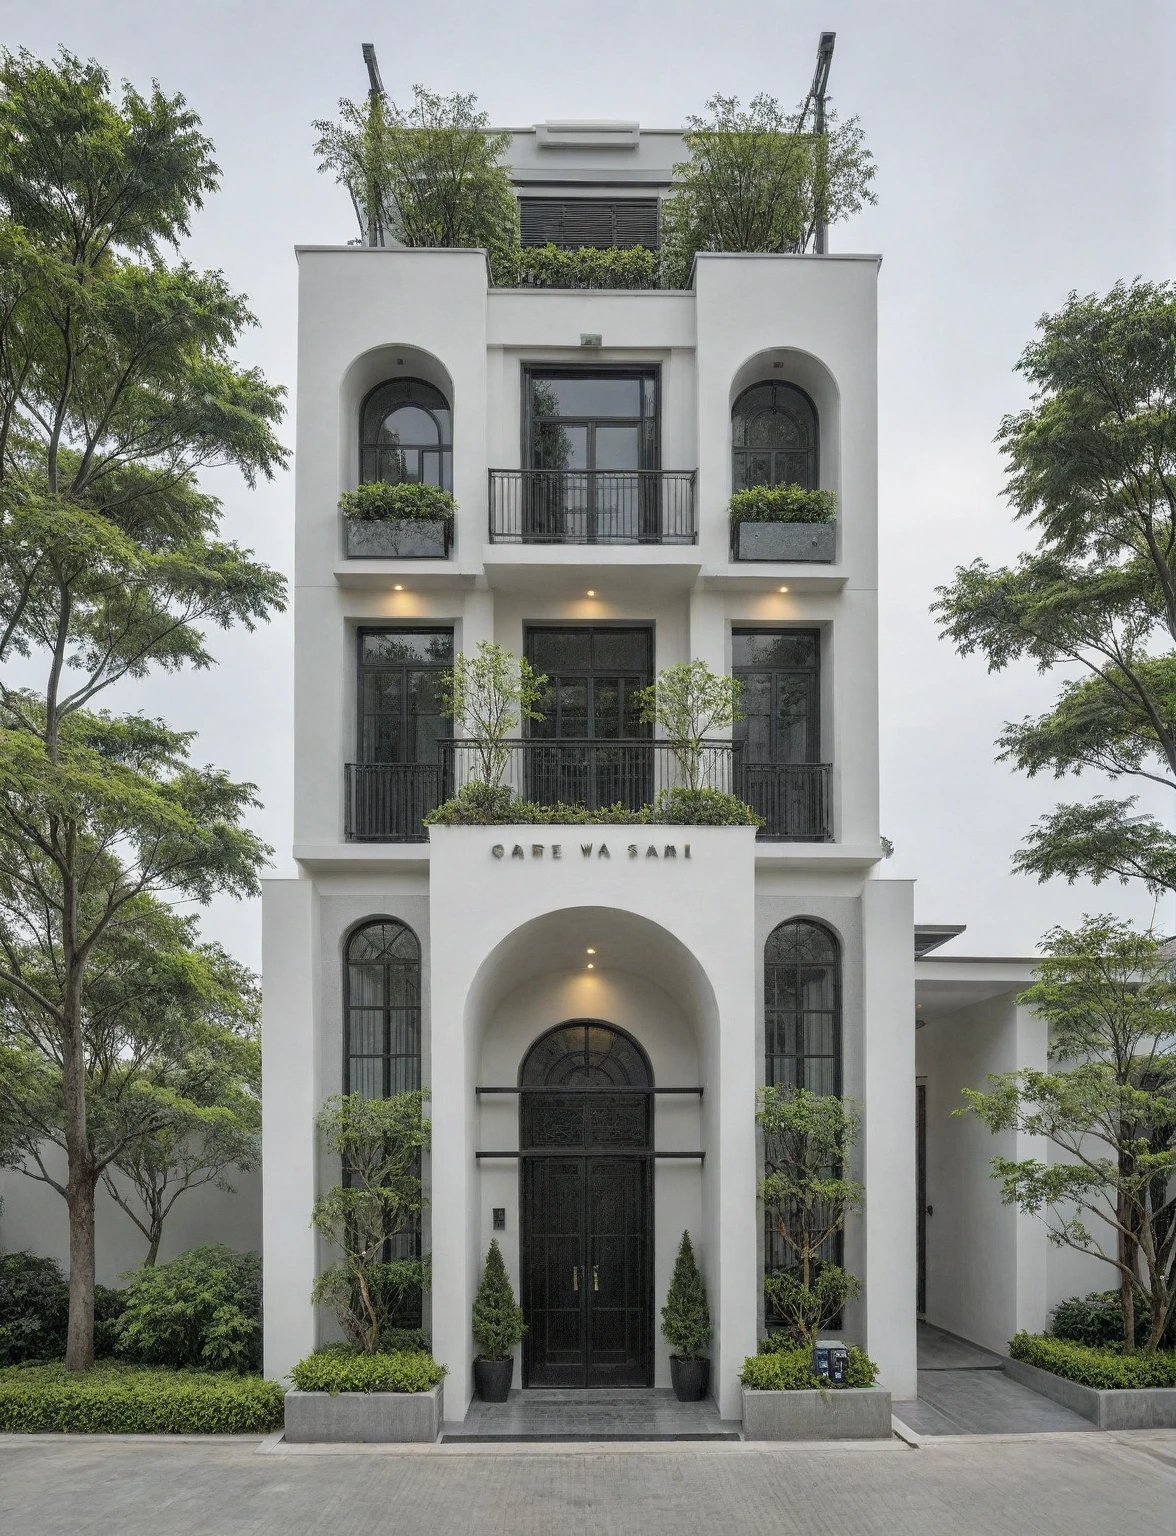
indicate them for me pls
(498, 1327)
(686, 1325)
(783, 522)
(405, 521)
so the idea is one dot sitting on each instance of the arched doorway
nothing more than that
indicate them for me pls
(586, 1139)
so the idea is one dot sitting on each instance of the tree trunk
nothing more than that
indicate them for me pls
(82, 1179)
(79, 1348)
(153, 1249)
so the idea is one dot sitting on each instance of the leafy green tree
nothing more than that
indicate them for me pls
(201, 1310)
(1092, 470)
(428, 174)
(117, 387)
(489, 693)
(807, 1141)
(686, 1321)
(1108, 993)
(498, 1319)
(692, 705)
(758, 179)
(379, 1143)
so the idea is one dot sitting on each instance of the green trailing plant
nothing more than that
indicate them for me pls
(202, 1309)
(686, 1323)
(429, 174)
(379, 1143)
(691, 704)
(789, 1368)
(1103, 1369)
(1091, 468)
(497, 1317)
(808, 1139)
(759, 179)
(339, 1368)
(547, 266)
(1107, 1106)
(783, 504)
(483, 805)
(117, 1399)
(488, 694)
(407, 501)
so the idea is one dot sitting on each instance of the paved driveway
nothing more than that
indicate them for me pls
(1061, 1485)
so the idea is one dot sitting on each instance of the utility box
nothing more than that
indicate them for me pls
(831, 1361)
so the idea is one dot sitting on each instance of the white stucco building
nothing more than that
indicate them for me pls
(592, 440)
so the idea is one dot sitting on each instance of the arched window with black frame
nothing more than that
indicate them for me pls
(775, 438)
(406, 434)
(382, 1043)
(802, 1035)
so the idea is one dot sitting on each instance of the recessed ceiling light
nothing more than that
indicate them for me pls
(590, 951)
(591, 967)
(590, 592)
(398, 588)
(782, 589)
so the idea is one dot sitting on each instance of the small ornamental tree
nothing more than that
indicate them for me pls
(488, 695)
(498, 1318)
(807, 1141)
(1109, 996)
(686, 1323)
(691, 704)
(379, 1143)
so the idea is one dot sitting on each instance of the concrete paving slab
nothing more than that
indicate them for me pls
(634, 1414)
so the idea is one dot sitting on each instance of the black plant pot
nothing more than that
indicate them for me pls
(691, 1379)
(492, 1379)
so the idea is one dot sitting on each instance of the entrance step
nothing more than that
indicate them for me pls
(545, 1414)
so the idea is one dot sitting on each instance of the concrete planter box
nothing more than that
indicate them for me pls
(841, 1413)
(1115, 1408)
(365, 1417)
(786, 541)
(405, 540)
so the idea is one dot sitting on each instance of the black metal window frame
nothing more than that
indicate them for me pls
(587, 1094)
(646, 628)
(652, 371)
(813, 476)
(369, 446)
(361, 633)
(812, 632)
(386, 1055)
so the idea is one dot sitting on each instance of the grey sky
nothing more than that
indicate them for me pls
(1023, 150)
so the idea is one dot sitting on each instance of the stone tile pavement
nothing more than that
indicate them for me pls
(1057, 1485)
(549, 1415)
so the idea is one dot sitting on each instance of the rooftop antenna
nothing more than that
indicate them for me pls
(375, 93)
(817, 92)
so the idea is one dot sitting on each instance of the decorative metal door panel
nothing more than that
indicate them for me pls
(618, 1242)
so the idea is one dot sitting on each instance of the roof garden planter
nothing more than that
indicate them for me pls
(406, 521)
(365, 1418)
(783, 522)
(831, 1413)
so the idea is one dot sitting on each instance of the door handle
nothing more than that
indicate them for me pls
(596, 1277)
(575, 1277)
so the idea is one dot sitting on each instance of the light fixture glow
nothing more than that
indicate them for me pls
(783, 589)
(590, 950)
(591, 967)
(398, 588)
(590, 593)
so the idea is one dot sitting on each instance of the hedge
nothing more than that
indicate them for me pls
(128, 1399)
(485, 805)
(339, 1368)
(404, 501)
(783, 504)
(1104, 1369)
(547, 266)
(791, 1370)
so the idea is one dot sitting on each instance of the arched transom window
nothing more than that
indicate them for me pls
(382, 1010)
(774, 437)
(587, 1086)
(406, 433)
(802, 1007)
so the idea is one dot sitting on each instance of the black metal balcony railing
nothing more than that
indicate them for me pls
(387, 802)
(592, 506)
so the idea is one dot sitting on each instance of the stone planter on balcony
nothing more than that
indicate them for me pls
(407, 539)
(838, 1413)
(786, 541)
(363, 1417)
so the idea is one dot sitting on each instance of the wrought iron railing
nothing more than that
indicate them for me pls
(387, 802)
(592, 506)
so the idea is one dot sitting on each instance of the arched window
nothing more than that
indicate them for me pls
(382, 1010)
(561, 1065)
(406, 433)
(775, 439)
(802, 1007)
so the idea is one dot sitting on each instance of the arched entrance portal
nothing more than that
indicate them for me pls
(586, 1139)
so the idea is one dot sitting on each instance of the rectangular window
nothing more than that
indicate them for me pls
(780, 673)
(399, 714)
(588, 221)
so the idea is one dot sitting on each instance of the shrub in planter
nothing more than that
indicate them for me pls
(700, 808)
(1103, 1369)
(1097, 1320)
(498, 1327)
(116, 1398)
(783, 504)
(686, 1326)
(414, 1341)
(381, 501)
(788, 1367)
(547, 266)
(340, 1368)
(486, 805)
(200, 1309)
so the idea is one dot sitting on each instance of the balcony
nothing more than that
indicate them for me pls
(592, 506)
(387, 802)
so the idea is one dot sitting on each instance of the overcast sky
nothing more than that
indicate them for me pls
(1023, 150)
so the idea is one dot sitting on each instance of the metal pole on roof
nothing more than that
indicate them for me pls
(375, 93)
(817, 94)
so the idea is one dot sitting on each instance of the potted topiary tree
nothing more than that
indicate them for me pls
(686, 1325)
(498, 1327)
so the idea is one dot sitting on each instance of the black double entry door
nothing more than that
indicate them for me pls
(587, 1210)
